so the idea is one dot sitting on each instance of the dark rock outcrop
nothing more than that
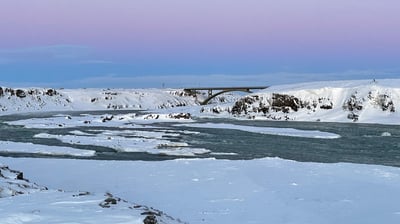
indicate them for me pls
(180, 116)
(20, 93)
(353, 116)
(107, 118)
(150, 219)
(109, 201)
(353, 104)
(278, 103)
(241, 106)
(283, 102)
(327, 107)
(51, 92)
(385, 102)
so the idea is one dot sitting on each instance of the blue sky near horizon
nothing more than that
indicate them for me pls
(176, 43)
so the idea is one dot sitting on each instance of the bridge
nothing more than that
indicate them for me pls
(221, 90)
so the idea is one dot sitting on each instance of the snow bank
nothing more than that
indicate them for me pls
(128, 120)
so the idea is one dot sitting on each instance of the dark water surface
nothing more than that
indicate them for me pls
(360, 143)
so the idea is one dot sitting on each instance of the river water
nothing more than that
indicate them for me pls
(359, 143)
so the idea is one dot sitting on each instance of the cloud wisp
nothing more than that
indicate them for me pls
(49, 51)
(72, 54)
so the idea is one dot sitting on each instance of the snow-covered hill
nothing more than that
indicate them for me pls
(367, 101)
(17, 100)
(41, 99)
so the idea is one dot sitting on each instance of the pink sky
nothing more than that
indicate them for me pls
(245, 23)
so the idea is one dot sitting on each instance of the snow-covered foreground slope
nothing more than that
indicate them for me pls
(13, 183)
(261, 191)
(25, 202)
(366, 101)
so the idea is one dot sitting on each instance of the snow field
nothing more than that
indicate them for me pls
(268, 190)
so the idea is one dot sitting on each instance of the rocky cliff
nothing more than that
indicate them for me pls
(354, 101)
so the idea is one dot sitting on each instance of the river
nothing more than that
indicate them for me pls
(359, 143)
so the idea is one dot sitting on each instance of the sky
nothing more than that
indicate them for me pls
(181, 43)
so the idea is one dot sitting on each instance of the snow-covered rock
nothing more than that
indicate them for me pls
(13, 183)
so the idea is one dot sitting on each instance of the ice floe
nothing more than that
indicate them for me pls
(22, 147)
(129, 141)
(266, 130)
